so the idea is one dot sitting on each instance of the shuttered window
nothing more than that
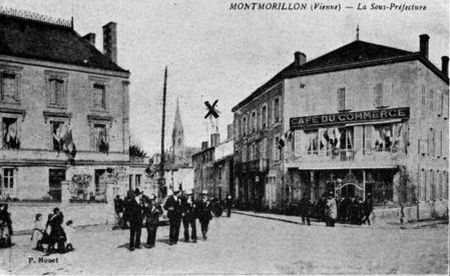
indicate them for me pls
(341, 99)
(431, 99)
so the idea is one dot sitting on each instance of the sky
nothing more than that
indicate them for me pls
(213, 52)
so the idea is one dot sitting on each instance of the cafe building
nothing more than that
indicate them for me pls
(362, 120)
(369, 120)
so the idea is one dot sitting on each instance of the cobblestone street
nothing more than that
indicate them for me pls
(243, 244)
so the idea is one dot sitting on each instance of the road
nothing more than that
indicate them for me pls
(242, 245)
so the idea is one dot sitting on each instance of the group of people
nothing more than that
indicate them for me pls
(138, 210)
(54, 235)
(345, 210)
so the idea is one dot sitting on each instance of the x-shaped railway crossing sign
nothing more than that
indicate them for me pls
(212, 111)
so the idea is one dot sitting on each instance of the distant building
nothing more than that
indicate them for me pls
(213, 167)
(64, 110)
(362, 120)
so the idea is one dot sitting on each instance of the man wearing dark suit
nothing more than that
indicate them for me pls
(189, 215)
(152, 211)
(134, 210)
(173, 207)
(204, 213)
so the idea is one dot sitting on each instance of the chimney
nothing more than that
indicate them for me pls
(215, 139)
(90, 37)
(299, 58)
(444, 65)
(424, 38)
(204, 145)
(110, 41)
(230, 131)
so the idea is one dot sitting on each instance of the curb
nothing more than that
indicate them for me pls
(394, 226)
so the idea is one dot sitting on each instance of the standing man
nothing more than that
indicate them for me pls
(305, 210)
(331, 210)
(204, 213)
(228, 205)
(173, 207)
(152, 211)
(135, 216)
(189, 215)
(368, 209)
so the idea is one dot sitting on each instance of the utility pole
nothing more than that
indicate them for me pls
(161, 180)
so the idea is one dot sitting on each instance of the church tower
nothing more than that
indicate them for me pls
(178, 148)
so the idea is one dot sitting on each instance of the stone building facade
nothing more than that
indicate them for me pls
(64, 111)
(362, 119)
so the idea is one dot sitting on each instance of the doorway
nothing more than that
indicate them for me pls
(55, 177)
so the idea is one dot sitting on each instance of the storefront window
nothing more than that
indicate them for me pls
(312, 142)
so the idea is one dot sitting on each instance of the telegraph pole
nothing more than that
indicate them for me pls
(161, 180)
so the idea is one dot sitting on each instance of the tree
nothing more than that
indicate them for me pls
(136, 151)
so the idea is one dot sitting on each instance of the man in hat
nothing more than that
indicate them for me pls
(189, 215)
(135, 210)
(331, 210)
(204, 213)
(173, 207)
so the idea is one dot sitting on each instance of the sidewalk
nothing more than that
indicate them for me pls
(375, 224)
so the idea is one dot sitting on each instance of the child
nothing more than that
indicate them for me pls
(38, 233)
(69, 234)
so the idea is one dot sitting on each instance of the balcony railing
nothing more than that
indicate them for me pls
(257, 165)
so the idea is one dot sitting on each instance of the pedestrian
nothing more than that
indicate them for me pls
(189, 216)
(38, 233)
(173, 207)
(152, 211)
(204, 213)
(57, 234)
(134, 213)
(368, 209)
(228, 204)
(5, 226)
(69, 235)
(118, 210)
(331, 207)
(305, 210)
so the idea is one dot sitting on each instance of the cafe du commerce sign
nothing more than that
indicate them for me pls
(349, 117)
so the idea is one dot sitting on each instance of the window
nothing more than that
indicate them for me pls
(236, 129)
(138, 180)
(244, 154)
(385, 137)
(56, 91)
(10, 136)
(244, 126)
(378, 93)
(341, 99)
(431, 141)
(311, 142)
(433, 185)
(8, 178)
(445, 104)
(254, 123)
(263, 148)
(99, 96)
(431, 99)
(276, 148)
(264, 116)
(101, 138)
(58, 133)
(276, 110)
(440, 102)
(9, 87)
(424, 95)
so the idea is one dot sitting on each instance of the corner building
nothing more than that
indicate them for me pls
(362, 119)
(57, 89)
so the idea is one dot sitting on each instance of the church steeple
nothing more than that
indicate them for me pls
(177, 136)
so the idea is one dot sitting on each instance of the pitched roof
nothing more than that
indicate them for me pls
(34, 39)
(353, 55)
